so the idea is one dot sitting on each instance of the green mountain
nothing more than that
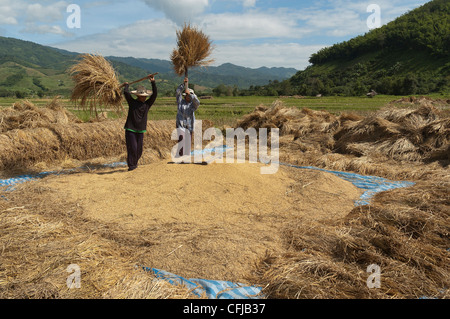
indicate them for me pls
(27, 68)
(407, 56)
(210, 77)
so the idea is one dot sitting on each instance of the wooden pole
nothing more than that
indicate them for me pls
(140, 80)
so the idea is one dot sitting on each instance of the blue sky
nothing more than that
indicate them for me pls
(251, 33)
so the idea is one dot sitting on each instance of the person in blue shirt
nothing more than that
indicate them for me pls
(187, 103)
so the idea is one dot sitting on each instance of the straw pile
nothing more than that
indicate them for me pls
(38, 245)
(418, 134)
(402, 134)
(79, 142)
(405, 232)
(313, 128)
(193, 50)
(25, 114)
(96, 84)
(46, 136)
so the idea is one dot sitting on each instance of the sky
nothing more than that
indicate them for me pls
(249, 33)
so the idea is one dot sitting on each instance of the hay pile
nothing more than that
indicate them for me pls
(420, 100)
(405, 232)
(25, 114)
(40, 138)
(415, 135)
(38, 247)
(312, 128)
(79, 142)
(290, 121)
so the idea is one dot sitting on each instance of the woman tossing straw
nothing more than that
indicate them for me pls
(193, 50)
(136, 124)
(187, 103)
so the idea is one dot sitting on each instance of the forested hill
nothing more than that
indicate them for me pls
(31, 69)
(425, 29)
(410, 55)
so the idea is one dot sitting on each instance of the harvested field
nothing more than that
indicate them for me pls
(296, 234)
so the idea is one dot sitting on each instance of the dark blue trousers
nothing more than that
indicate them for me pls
(135, 143)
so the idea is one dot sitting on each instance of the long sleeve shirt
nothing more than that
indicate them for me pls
(138, 111)
(185, 114)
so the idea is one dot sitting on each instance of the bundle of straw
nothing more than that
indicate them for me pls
(194, 48)
(96, 83)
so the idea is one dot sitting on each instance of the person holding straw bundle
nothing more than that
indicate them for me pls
(193, 50)
(187, 103)
(136, 124)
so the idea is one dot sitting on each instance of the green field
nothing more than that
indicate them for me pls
(225, 110)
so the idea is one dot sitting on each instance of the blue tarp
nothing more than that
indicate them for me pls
(371, 184)
(11, 182)
(213, 289)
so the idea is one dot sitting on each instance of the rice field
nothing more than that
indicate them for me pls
(226, 110)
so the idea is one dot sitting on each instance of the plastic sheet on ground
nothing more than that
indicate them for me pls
(212, 289)
(371, 184)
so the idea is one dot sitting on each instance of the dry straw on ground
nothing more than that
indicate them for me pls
(25, 115)
(406, 231)
(32, 136)
(38, 247)
(193, 50)
(415, 134)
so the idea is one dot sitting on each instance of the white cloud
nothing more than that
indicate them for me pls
(249, 3)
(140, 40)
(153, 39)
(180, 11)
(37, 12)
(252, 25)
(349, 17)
(246, 34)
(336, 22)
(9, 10)
(34, 17)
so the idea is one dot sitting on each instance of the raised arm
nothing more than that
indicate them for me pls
(195, 102)
(194, 98)
(180, 91)
(154, 95)
(126, 92)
